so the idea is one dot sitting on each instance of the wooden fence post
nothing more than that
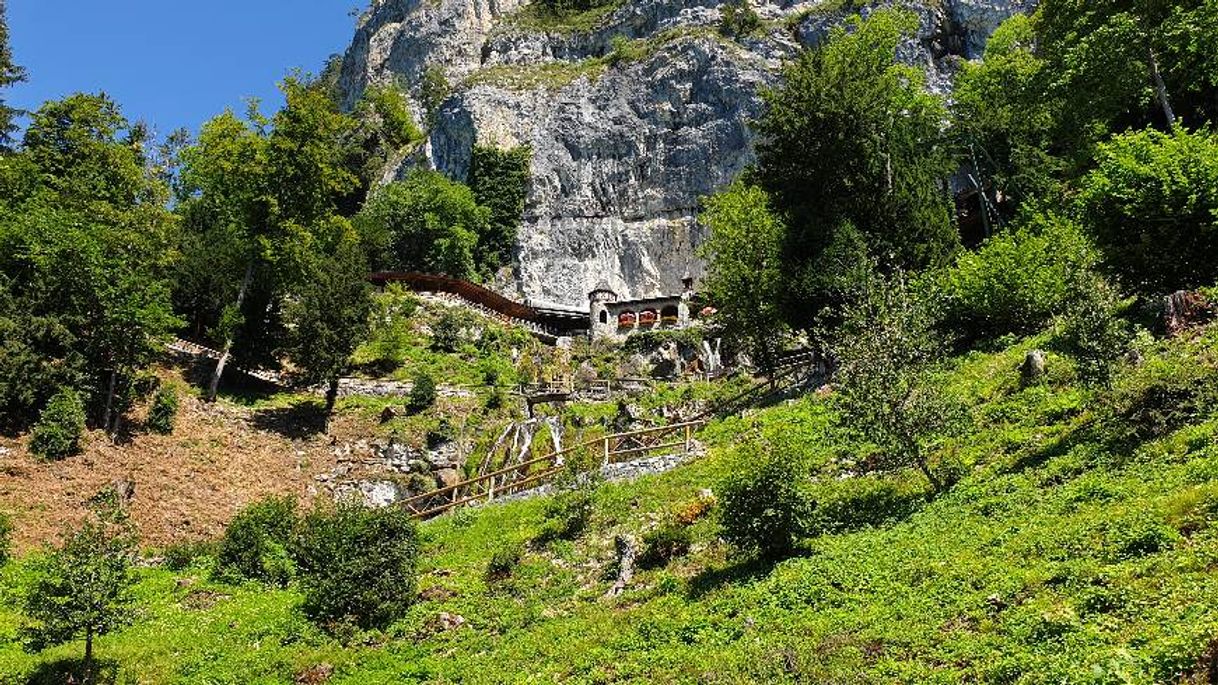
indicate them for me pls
(689, 437)
(606, 451)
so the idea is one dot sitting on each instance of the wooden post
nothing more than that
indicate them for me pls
(606, 451)
(689, 437)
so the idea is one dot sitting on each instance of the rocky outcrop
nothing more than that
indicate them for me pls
(622, 149)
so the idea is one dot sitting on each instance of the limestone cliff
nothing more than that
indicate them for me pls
(622, 148)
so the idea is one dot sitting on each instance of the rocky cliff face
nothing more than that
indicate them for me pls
(622, 148)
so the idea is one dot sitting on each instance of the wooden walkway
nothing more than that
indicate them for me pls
(533, 473)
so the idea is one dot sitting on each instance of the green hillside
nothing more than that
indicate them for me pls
(1079, 545)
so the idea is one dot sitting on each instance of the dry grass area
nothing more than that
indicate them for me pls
(188, 485)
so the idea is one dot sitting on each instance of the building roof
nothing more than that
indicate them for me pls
(603, 287)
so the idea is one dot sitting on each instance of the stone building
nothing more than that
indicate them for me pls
(614, 318)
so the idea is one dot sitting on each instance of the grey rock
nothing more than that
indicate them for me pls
(621, 154)
(1033, 366)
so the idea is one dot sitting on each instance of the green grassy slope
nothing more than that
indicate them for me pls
(1080, 545)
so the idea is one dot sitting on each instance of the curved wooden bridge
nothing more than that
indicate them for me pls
(546, 321)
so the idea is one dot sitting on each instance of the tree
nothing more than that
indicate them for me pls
(852, 152)
(255, 192)
(228, 217)
(764, 504)
(330, 311)
(424, 223)
(357, 565)
(1003, 123)
(499, 180)
(745, 278)
(10, 74)
(82, 588)
(887, 350)
(1151, 204)
(87, 249)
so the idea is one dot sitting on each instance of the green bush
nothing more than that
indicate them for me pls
(764, 506)
(60, 427)
(1015, 283)
(504, 562)
(163, 410)
(1140, 534)
(567, 515)
(663, 544)
(182, 555)
(448, 332)
(739, 20)
(357, 565)
(422, 393)
(256, 545)
(1093, 332)
(6, 538)
(1158, 397)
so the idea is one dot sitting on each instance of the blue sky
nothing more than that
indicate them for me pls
(172, 63)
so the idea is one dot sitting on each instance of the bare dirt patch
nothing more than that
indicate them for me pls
(188, 485)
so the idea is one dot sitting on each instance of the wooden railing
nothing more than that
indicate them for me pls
(536, 472)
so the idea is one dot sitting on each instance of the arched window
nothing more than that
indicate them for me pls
(669, 315)
(604, 316)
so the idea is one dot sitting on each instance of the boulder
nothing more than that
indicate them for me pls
(1033, 366)
(446, 478)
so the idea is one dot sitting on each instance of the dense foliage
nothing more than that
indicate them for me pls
(257, 544)
(876, 188)
(82, 589)
(499, 180)
(425, 223)
(357, 565)
(60, 427)
(746, 279)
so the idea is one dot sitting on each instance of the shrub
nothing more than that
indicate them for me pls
(1093, 332)
(663, 544)
(739, 20)
(764, 507)
(1140, 534)
(422, 393)
(357, 565)
(1158, 397)
(60, 426)
(504, 562)
(182, 555)
(163, 410)
(448, 332)
(567, 515)
(6, 538)
(1150, 202)
(256, 545)
(1015, 283)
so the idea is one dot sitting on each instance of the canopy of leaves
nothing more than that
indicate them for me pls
(1152, 205)
(745, 276)
(880, 160)
(86, 247)
(424, 223)
(357, 565)
(500, 182)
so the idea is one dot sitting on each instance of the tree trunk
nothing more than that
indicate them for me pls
(1160, 87)
(109, 400)
(214, 388)
(331, 400)
(89, 676)
(935, 485)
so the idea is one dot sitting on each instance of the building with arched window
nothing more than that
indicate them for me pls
(614, 318)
